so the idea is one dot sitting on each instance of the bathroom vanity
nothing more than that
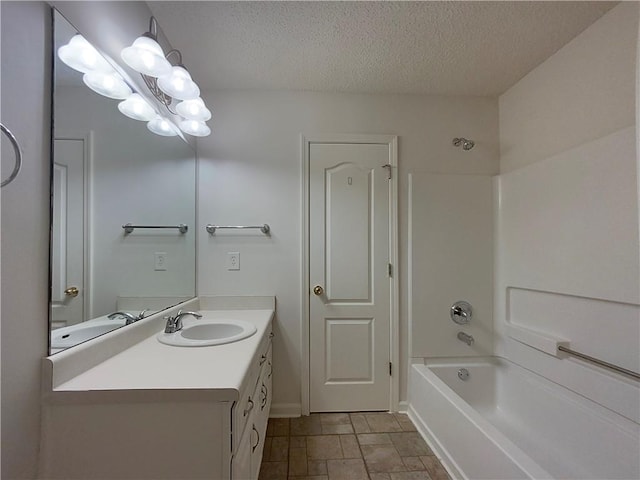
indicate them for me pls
(127, 406)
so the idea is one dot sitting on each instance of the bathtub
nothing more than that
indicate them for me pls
(505, 422)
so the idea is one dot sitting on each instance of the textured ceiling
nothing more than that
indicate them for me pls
(445, 48)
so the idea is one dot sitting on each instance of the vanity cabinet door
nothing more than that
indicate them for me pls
(241, 465)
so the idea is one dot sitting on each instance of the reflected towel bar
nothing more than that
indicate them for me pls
(128, 228)
(602, 363)
(263, 228)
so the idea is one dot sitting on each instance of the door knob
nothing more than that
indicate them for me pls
(72, 292)
(318, 290)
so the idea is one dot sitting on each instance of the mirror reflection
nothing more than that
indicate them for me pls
(109, 171)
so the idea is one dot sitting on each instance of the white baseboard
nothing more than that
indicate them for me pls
(403, 407)
(285, 410)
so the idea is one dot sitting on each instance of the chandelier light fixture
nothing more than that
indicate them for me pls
(170, 84)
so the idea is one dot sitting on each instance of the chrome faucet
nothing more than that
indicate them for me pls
(130, 317)
(174, 324)
(466, 338)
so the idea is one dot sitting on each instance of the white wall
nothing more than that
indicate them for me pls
(250, 173)
(25, 230)
(135, 177)
(567, 256)
(582, 92)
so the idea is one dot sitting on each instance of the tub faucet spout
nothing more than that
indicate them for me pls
(466, 338)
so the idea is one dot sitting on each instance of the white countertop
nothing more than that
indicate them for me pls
(151, 365)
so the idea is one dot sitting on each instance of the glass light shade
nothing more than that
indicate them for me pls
(161, 126)
(146, 56)
(80, 55)
(137, 108)
(194, 110)
(108, 84)
(195, 128)
(178, 84)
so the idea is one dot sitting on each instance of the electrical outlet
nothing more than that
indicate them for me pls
(233, 260)
(160, 261)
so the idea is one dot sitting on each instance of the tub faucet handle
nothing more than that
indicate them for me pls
(461, 312)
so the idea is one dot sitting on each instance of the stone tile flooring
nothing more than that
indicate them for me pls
(347, 446)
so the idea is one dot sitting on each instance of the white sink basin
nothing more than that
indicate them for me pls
(207, 333)
(73, 335)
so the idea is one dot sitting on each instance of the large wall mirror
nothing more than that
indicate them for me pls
(108, 171)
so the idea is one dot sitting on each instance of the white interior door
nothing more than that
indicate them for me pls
(67, 306)
(349, 208)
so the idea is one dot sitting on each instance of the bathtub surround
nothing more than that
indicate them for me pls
(450, 259)
(567, 251)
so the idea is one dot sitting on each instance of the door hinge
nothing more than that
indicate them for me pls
(390, 369)
(390, 270)
(388, 165)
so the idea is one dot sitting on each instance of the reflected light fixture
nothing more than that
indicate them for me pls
(195, 128)
(161, 126)
(137, 108)
(109, 85)
(194, 110)
(80, 55)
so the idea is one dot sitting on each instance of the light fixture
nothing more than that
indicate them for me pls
(80, 55)
(178, 84)
(108, 84)
(137, 108)
(195, 128)
(194, 110)
(145, 56)
(168, 84)
(161, 126)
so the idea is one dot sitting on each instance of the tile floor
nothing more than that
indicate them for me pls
(347, 446)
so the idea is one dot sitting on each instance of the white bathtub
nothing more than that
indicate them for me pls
(505, 422)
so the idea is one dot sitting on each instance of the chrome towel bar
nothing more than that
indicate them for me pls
(128, 228)
(602, 363)
(263, 228)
